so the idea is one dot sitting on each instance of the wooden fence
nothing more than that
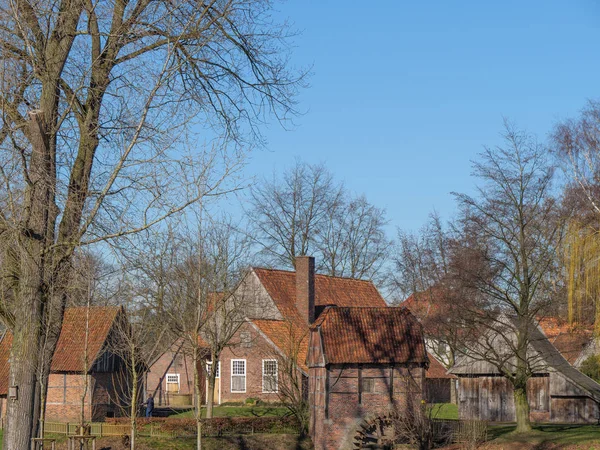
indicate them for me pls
(102, 429)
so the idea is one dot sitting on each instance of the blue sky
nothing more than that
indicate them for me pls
(404, 94)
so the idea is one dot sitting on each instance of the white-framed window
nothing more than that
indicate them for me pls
(209, 367)
(270, 381)
(172, 380)
(238, 375)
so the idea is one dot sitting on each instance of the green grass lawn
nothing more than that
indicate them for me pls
(444, 411)
(238, 411)
(559, 435)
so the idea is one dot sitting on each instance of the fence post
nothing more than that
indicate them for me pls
(67, 433)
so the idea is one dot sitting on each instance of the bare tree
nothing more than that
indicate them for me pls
(353, 242)
(577, 143)
(420, 260)
(577, 146)
(98, 103)
(306, 212)
(202, 309)
(507, 242)
(289, 213)
(288, 377)
(136, 343)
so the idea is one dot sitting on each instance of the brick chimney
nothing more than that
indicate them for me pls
(305, 287)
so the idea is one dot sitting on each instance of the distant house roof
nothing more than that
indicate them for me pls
(436, 369)
(70, 354)
(371, 335)
(291, 339)
(570, 341)
(432, 307)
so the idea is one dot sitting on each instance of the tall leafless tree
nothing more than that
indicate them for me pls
(201, 305)
(421, 260)
(99, 104)
(507, 241)
(306, 212)
(577, 144)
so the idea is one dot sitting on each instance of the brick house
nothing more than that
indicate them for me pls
(170, 378)
(278, 308)
(364, 365)
(77, 368)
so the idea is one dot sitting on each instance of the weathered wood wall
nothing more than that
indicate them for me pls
(552, 398)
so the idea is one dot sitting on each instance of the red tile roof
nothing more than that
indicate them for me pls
(70, 351)
(291, 339)
(569, 340)
(371, 335)
(281, 286)
(437, 369)
(5, 346)
(293, 330)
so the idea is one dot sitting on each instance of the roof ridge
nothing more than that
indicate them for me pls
(292, 272)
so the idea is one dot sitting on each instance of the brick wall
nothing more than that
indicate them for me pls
(65, 392)
(338, 405)
(254, 350)
(171, 362)
(64, 400)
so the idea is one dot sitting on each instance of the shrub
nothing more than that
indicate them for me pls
(217, 426)
(591, 367)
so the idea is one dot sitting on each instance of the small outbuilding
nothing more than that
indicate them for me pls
(364, 365)
(84, 373)
(557, 391)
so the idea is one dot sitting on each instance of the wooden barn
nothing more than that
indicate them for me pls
(557, 392)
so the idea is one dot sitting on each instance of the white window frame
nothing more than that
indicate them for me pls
(178, 381)
(245, 375)
(276, 376)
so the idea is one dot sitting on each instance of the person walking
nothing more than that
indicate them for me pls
(150, 406)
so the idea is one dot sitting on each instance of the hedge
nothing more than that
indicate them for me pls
(217, 426)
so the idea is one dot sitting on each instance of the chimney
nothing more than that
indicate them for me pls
(305, 287)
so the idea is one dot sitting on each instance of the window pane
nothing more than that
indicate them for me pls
(239, 367)
(270, 376)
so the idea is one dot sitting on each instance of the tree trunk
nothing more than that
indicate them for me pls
(198, 402)
(521, 373)
(19, 429)
(134, 400)
(210, 398)
(24, 362)
(522, 409)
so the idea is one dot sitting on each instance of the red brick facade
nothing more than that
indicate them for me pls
(178, 365)
(343, 393)
(252, 347)
(65, 393)
(338, 406)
